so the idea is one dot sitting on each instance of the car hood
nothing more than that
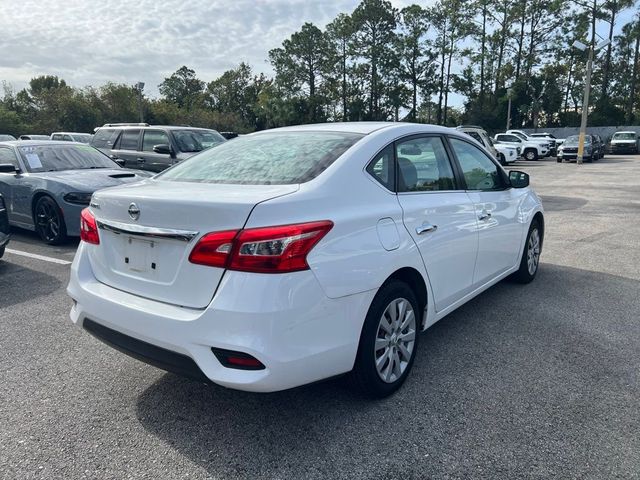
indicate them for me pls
(93, 179)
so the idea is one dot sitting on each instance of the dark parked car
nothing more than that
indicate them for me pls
(4, 226)
(46, 184)
(601, 146)
(153, 148)
(569, 149)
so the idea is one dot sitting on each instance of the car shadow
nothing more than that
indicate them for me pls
(519, 373)
(20, 284)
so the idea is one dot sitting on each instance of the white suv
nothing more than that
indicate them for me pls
(531, 150)
(292, 255)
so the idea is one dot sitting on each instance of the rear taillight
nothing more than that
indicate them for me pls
(213, 249)
(277, 249)
(89, 228)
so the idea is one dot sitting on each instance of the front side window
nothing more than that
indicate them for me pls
(52, 158)
(480, 173)
(196, 140)
(423, 165)
(152, 138)
(7, 156)
(273, 158)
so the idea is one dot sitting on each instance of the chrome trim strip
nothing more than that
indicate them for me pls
(142, 231)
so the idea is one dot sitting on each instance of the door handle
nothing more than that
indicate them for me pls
(113, 157)
(426, 227)
(484, 215)
(140, 160)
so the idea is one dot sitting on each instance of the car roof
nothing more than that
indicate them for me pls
(70, 133)
(364, 128)
(143, 127)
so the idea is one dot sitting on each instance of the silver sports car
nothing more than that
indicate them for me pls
(46, 184)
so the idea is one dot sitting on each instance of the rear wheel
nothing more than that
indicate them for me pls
(2, 252)
(530, 154)
(531, 255)
(502, 160)
(388, 342)
(49, 222)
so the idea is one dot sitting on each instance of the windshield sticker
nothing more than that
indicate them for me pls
(34, 160)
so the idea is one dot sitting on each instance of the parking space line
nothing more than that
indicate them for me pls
(38, 257)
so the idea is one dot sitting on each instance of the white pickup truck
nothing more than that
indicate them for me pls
(531, 149)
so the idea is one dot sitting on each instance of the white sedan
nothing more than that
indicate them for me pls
(293, 255)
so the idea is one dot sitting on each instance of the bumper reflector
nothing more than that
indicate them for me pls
(238, 360)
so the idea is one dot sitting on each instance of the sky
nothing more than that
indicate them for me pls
(91, 42)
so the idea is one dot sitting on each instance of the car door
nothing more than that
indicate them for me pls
(127, 148)
(508, 139)
(439, 216)
(156, 162)
(496, 207)
(15, 190)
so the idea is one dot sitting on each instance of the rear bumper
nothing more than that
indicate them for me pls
(624, 148)
(284, 321)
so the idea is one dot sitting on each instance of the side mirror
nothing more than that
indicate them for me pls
(163, 148)
(518, 179)
(8, 168)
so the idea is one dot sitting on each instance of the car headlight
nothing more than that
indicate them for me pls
(78, 198)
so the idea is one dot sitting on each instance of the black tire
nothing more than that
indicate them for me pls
(524, 273)
(502, 160)
(559, 160)
(2, 252)
(530, 154)
(365, 376)
(48, 221)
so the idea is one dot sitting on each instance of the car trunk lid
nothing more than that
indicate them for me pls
(147, 232)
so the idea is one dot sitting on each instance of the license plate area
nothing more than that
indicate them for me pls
(140, 256)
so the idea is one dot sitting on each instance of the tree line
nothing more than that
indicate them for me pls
(383, 63)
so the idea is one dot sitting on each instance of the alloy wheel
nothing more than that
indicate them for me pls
(395, 340)
(533, 251)
(48, 221)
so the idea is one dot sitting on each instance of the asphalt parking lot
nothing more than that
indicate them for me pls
(533, 381)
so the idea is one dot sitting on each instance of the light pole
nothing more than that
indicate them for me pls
(587, 90)
(139, 88)
(509, 94)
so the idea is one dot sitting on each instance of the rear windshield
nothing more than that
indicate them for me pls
(624, 136)
(275, 158)
(54, 158)
(197, 140)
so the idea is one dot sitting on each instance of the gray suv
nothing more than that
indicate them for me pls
(152, 147)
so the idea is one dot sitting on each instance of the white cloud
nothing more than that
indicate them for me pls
(92, 42)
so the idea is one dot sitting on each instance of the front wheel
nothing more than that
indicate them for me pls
(531, 155)
(388, 342)
(49, 222)
(531, 255)
(502, 160)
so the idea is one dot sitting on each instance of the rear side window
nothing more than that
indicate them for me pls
(274, 158)
(423, 165)
(57, 136)
(382, 168)
(129, 140)
(105, 138)
(476, 136)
